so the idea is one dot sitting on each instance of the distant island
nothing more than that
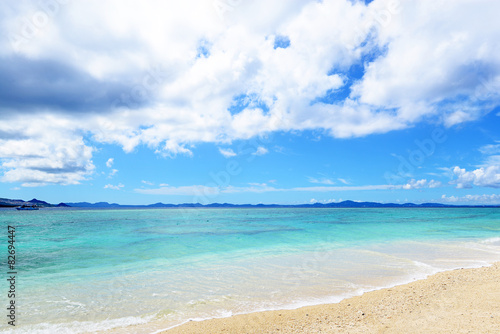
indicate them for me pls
(12, 203)
(5, 202)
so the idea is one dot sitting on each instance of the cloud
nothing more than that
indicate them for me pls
(28, 84)
(110, 162)
(122, 84)
(199, 190)
(257, 184)
(457, 82)
(261, 151)
(414, 184)
(46, 151)
(490, 149)
(195, 190)
(482, 177)
(475, 199)
(117, 187)
(113, 173)
(323, 180)
(227, 153)
(344, 181)
(346, 188)
(148, 183)
(492, 160)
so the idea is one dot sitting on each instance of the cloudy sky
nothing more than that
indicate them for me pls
(282, 101)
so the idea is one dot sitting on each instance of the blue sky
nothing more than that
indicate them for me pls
(250, 102)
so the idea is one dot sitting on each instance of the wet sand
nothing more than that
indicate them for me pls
(457, 301)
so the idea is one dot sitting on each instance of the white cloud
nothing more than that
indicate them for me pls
(199, 190)
(110, 162)
(227, 153)
(172, 148)
(472, 199)
(117, 187)
(47, 151)
(195, 190)
(423, 183)
(434, 184)
(323, 180)
(261, 151)
(430, 65)
(492, 160)
(257, 184)
(430, 61)
(490, 149)
(112, 173)
(346, 188)
(148, 183)
(325, 201)
(344, 181)
(482, 177)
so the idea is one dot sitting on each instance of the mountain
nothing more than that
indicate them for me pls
(344, 204)
(40, 203)
(5, 202)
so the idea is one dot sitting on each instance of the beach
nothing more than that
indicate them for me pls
(456, 301)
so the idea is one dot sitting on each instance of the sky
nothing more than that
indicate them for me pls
(238, 101)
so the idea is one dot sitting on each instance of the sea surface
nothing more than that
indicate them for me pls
(143, 270)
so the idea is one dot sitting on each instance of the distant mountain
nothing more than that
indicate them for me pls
(5, 202)
(344, 204)
(40, 203)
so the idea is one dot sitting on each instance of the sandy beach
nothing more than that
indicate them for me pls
(457, 301)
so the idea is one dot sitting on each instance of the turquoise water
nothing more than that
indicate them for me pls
(142, 270)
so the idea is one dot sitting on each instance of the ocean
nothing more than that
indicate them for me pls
(144, 270)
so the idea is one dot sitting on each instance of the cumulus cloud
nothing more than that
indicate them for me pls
(110, 162)
(423, 183)
(47, 151)
(169, 77)
(482, 177)
(474, 199)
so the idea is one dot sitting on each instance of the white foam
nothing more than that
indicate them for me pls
(488, 241)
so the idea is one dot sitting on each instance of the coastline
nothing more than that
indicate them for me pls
(461, 300)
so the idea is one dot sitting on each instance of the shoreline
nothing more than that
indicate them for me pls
(459, 300)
